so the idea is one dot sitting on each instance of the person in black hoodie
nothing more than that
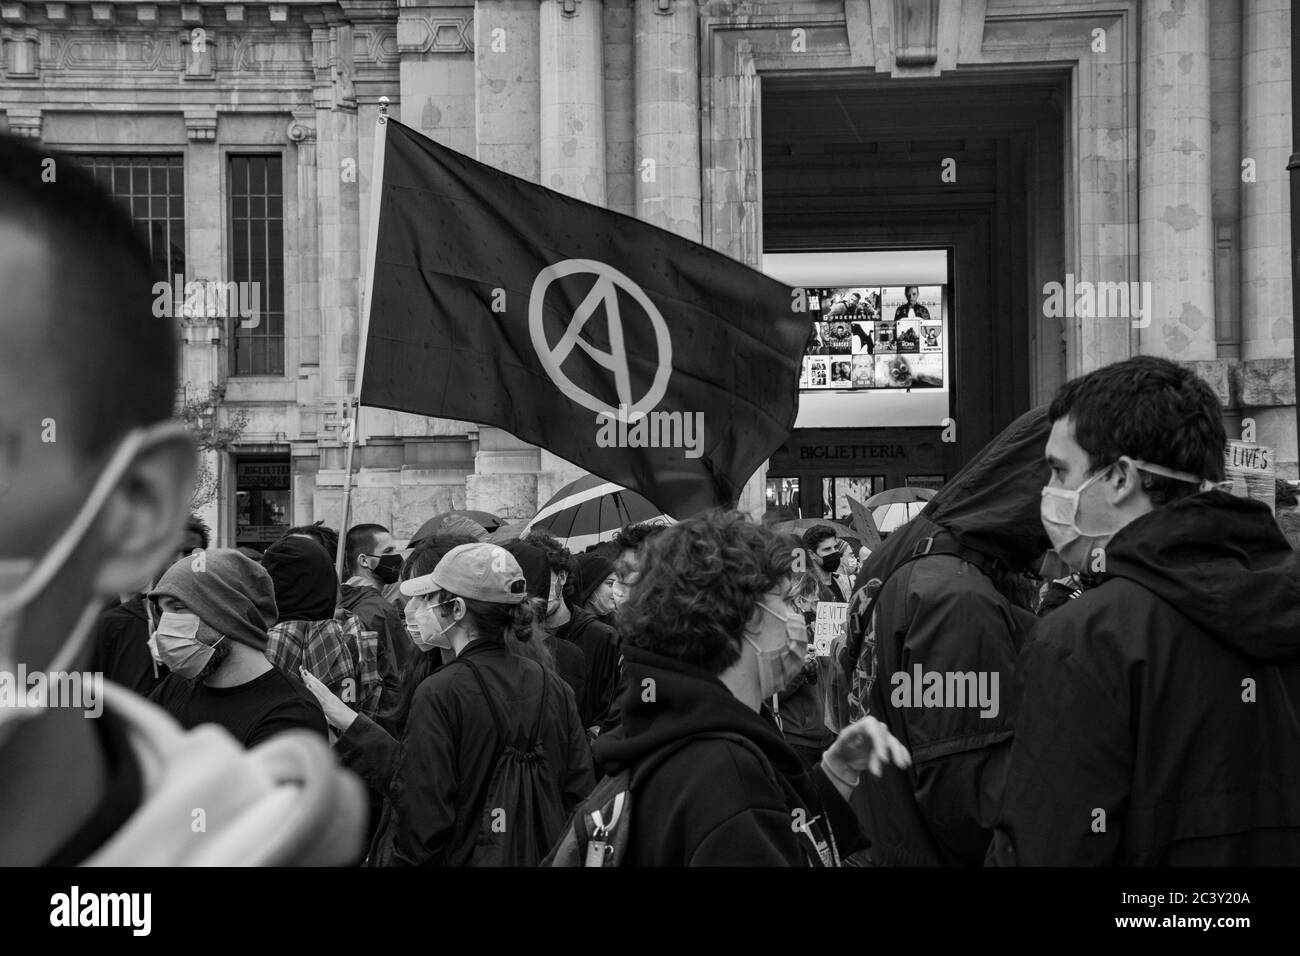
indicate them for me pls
(570, 662)
(943, 595)
(472, 604)
(710, 633)
(598, 642)
(1158, 724)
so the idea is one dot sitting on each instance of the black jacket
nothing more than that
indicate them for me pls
(1160, 718)
(712, 802)
(395, 649)
(450, 749)
(945, 614)
(599, 645)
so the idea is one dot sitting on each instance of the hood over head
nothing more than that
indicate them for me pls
(1223, 563)
(991, 505)
(306, 585)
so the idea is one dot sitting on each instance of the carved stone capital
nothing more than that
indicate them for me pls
(201, 127)
(25, 122)
(301, 131)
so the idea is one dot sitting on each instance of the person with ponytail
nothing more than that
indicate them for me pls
(474, 606)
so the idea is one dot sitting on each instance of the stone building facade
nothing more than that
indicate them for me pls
(1171, 169)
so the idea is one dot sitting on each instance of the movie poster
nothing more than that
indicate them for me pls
(819, 371)
(931, 336)
(875, 337)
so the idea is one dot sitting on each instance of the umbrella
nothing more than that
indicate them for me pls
(489, 522)
(894, 507)
(591, 510)
(803, 524)
(505, 534)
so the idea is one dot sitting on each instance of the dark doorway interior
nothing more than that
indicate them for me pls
(858, 164)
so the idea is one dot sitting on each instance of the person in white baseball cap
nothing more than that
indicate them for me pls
(463, 718)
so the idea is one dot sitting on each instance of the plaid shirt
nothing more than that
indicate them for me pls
(338, 653)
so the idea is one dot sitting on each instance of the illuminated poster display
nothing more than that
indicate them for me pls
(878, 353)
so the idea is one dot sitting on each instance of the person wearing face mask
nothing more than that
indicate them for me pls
(800, 708)
(570, 661)
(374, 562)
(848, 568)
(97, 513)
(943, 593)
(213, 612)
(368, 745)
(474, 605)
(709, 637)
(598, 642)
(824, 555)
(1161, 701)
(122, 645)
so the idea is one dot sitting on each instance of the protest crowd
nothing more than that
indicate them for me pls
(1083, 651)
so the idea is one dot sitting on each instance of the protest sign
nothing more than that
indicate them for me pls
(1251, 470)
(832, 621)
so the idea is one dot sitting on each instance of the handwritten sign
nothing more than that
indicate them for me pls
(1251, 470)
(832, 621)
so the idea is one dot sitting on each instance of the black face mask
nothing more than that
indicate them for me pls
(831, 562)
(389, 566)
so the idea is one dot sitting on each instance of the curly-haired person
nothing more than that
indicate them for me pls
(710, 633)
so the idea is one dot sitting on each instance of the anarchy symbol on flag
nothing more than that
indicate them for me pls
(603, 293)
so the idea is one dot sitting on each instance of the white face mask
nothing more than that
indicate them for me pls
(422, 623)
(1059, 511)
(179, 646)
(779, 666)
(556, 596)
(22, 580)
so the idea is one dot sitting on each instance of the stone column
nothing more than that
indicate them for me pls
(667, 170)
(1267, 345)
(1225, 169)
(571, 64)
(508, 88)
(337, 210)
(1175, 235)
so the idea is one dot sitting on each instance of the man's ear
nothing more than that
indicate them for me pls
(142, 524)
(1125, 482)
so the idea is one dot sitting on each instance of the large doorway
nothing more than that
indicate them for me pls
(973, 168)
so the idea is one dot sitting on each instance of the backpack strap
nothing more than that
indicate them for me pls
(497, 720)
(941, 542)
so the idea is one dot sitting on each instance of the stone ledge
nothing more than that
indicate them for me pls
(1220, 374)
(1253, 383)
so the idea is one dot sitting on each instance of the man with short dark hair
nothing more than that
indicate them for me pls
(95, 484)
(824, 555)
(374, 562)
(1158, 723)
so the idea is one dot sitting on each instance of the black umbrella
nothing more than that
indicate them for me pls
(488, 521)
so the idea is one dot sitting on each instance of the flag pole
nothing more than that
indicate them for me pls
(353, 413)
